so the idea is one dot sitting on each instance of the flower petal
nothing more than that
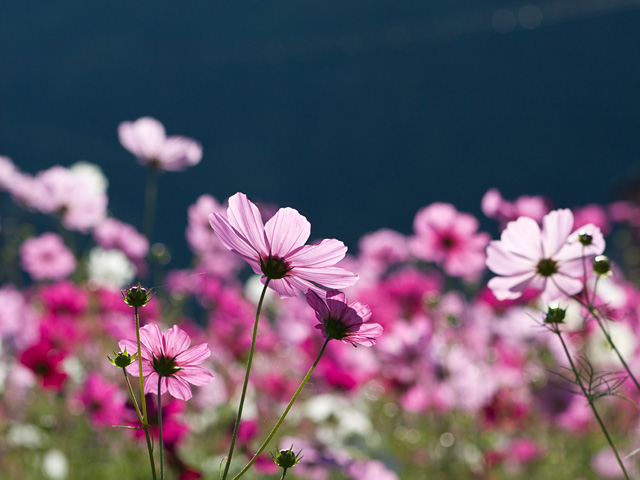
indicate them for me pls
(245, 217)
(510, 287)
(329, 277)
(324, 254)
(197, 376)
(556, 228)
(179, 388)
(231, 238)
(522, 237)
(193, 356)
(287, 230)
(175, 341)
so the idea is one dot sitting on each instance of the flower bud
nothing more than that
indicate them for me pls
(555, 315)
(286, 458)
(602, 265)
(122, 360)
(136, 296)
(585, 238)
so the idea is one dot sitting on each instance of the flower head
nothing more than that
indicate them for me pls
(547, 259)
(46, 257)
(277, 249)
(168, 357)
(344, 321)
(146, 139)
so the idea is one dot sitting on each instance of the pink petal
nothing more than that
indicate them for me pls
(245, 217)
(231, 238)
(151, 337)
(558, 286)
(151, 383)
(315, 301)
(556, 227)
(504, 262)
(522, 237)
(144, 137)
(286, 231)
(179, 388)
(329, 277)
(194, 355)
(197, 376)
(324, 254)
(510, 287)
(175, 341)
(362, 310)
(285, 287)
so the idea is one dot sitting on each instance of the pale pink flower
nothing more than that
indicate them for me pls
(46, 257)
(496, 207)
(80, 203)
(168, 357)
(147, 140)
(349, 322)
(547, 259)
(277, 249)
(113, 233)
(449, 238)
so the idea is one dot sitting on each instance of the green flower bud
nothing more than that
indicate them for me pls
(122, 360)
(555, 315)
(286, 458)
(585, 238)
(136, 296)
(602, 265)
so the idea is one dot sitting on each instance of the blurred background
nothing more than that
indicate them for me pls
(355, 113)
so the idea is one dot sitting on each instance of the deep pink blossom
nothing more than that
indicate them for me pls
(349, 322)
(547, 259)
(277, 249)
(46, 362)
(147, 140)
(169, 356)
(449, 238)
(103, 401)
(46, 257)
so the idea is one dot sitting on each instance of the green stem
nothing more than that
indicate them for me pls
(284, 472)
(160, 430)
(286, 411)
(150, 198)
(246, 381)
(590, 400)
(144, 427)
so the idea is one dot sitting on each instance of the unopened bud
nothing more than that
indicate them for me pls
(555, 315)
(123, 359)
(602, 265)
(286, 458)
(136, 296)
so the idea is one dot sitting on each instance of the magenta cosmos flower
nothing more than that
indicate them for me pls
(277, 249)
(146, 139)
(344, 321)
(449, 238)
(168, 356)
(46, 257)
(549, 260)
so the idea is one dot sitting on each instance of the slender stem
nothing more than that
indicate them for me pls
(144, 427)
(150, 198)
(286, 411)
(590, 400)
(284, 472)
(246, 381)
(160, 430)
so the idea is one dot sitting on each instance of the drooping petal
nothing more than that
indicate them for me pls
(556, 227)
(245, 217)
(179, 388)
(285, 287)
(317, 303)
(324, 254)
(511, 287)
(287, 230)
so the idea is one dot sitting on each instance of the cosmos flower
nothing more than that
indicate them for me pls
(449, 238)
(547, 259)
(46, 257)
(344, 321)
(277, 249)
(169, 357)
(146, 139)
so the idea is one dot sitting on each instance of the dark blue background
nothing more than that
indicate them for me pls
(357, 113)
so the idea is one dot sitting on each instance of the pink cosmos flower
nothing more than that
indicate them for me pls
(344, 321)
(449, 238)
(103, 401)
(113, 233)
(549, 260)
(496, 207)
(168, 356)
(146, 139)
(46, 257)
(46, 362)
(277, 249)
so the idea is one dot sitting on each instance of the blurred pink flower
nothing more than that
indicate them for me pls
(103, 401)
(146, 139)
(592, 214)
(496, 207)
(45, 361)
(365, 470)
(449, 238)
(80, 202)
(277, 249)
(168, 356)
(46, 257)
(344, 321)
(549, 260)
(112, 233)
(383, 248)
